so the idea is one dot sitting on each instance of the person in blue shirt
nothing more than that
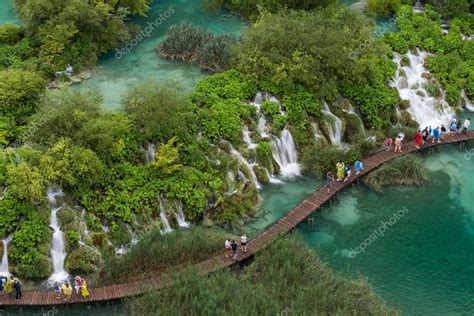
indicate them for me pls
(358, 166)
(435, 135)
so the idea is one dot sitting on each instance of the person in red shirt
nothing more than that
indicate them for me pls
(418, 139)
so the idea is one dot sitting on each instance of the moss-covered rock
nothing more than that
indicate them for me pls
(404, 104)
(120, 235)
(67, 216)
(82, 260)
(406, 120)
(262, 176)
(354, 127)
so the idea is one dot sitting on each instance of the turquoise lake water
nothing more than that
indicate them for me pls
(423, 262)
(116, 74)
(7, 13)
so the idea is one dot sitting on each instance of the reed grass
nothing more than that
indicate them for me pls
(287, 278)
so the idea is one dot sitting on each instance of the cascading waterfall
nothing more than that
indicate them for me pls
(58, 249)
(247, 139)
(285, 154)
(179, 214)
(334, 130)
(150, 153)
(467, 103)
(425, 109)
(317, 133)
(4, 270)
(166, 227)
(244, 162)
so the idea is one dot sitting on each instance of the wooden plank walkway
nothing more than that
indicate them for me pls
(299, 213)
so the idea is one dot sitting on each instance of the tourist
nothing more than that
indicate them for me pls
(424, 135)
(358, 166)
(77, 284)
(398, 144)
(340, 171)
(67, 290)
(227, 247)
(389, 143)
(458, 126)
(453, 128)
(443, 132)
(17, 288)
(8, 287)
(418, 139)
(348, 172)
(243, 243)
(329, 180)
(84, 291)
(2, 282)
(435, 136)
(235, 249)
(466, 125)
(57, 290)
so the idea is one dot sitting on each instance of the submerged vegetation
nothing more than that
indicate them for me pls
(405, 170)
(287, 276)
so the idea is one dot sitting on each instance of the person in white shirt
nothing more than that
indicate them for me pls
(466, 125)
(227, 247)
(243, 242)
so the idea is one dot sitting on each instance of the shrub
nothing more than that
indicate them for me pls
(82, 260)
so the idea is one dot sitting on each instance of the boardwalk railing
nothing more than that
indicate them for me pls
(299, 213)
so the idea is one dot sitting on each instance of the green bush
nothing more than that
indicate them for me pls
(82, 260)
(318, 160)
(38, 266)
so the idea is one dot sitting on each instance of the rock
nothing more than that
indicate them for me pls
(427, 75)
(402, 83)
(404, 104)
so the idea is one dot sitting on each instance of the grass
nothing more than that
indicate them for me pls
(405, 170)
(286, 277)
(157, 253)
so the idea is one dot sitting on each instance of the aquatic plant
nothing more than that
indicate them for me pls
(191, 43)
(405, 170)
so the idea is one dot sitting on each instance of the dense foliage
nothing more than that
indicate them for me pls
(191, 43)
(452, 62)
(320, 52)
(287, 277)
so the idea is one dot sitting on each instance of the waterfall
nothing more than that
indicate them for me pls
(244, 162)
(4, 271)
(165, 224)
(425, 109)
(317, 133)
(418, 7)
(247, 139)
(334, 130)
(285, 155)
(150, 153)
(467, 103)
(262, 122)
(179, 214)
(58, 249)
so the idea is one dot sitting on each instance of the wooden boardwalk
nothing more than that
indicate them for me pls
(299, 213)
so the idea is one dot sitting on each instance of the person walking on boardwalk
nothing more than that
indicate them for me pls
(453, 128)
(67, 291)
(358, 166)
(418, 139)
(348, 172)
(57, 290)
(77, 284)
(243, 243)
(435, 136)
(443, 132)
(84, 291)
(17, 288)
(424, 136)
(329, 180)
(388, 143)
(8, 287)
(227, 247)
(398, 144)
(235, 249)
(466, 125)
(459, 126)
(340, 171)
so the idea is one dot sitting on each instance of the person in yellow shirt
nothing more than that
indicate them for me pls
(67, 291)
(84, 291)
